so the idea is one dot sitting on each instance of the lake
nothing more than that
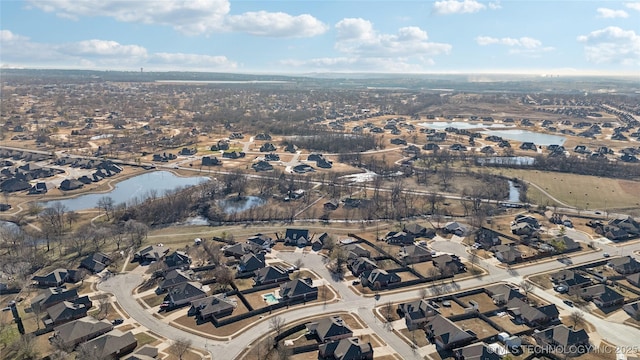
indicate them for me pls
(234, 206)
(524, 136)
(136, 187)
(514, 192)
(507, 160)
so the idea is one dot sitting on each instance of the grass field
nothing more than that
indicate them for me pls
(581, 191)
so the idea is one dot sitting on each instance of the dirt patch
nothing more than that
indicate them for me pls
(416, 337)
(507, 325)
(481, 328)
(485, 303)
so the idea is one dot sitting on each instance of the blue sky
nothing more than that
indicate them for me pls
(301, 36)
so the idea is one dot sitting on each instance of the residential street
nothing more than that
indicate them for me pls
(122, 286)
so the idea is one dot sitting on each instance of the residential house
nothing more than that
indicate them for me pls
(70, 184)
(63, 312)
(563, 340)
(417, 313)
(96, 262)
(177, 260)
(296, 290)
(270, 275)
(81, 330)
(524, 313)
(448, 265)
(355, 251)
(52, 296)
(53, 279)
(173, 278)
(477, 351)
(296, 237)
(502, 293)
(528, 146)
(113, 344)
(267, 147)
(145, 352)
(523, 229)
(263, 241)
(346, 349)
(378, 279)
(250, 263)
(398, 238)
(233, 154)
(417, 230)
(211, 161)
(361, 264)
(331, 205)
(212, 307)
(447, 335)
(624, 265)
(628, 224)
(455, 228)
(634, 279)
(151, 253)
(411, 254)
(262, 136)
(329, 329)
(238, 250)
(38, 188)
(520, 218)
(262, 165)
(185, 293)
(507, 254)
(564, 244)
(571, 279)
(318, 242)
(602, 296)
(487, 238)
(633, 310)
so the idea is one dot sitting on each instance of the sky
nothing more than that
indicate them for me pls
(306, 36)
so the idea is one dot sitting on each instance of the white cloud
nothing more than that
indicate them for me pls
(524, 42)
(612, 45)
(276, 24)
(495, 5)
(190, 17)
(18, 50)
(611, 14)
(633, 5)
(446, 7)
(358, 37)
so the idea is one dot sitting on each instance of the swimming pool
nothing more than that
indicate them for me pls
(270, 298)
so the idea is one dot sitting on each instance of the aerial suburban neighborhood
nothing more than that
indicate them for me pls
(146, 217)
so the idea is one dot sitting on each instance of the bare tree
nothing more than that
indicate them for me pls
(106, 204)
(180, 347)
(224, 276)
(276, 324)
(526, 287)
(86, 351)
(423, 293)
(577, 318)
(387, 311)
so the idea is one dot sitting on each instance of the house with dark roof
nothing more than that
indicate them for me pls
(564, 244)
(624, 265)
(361, 264)
(151, 253)
(412, 254)
(355, 251)
(477, 351)
(398, 238)
(296, 290)
(211, 161)
(212, 307)
(177, 260)
(633, 309)
(329, 329)
(448, 264)
(238, 250)
(270, 275)
(601, 295)
(524, 313)
(96, 262)
(262, 165)
(417, 313)
(53, 279)
(38, 188)
(173, 278)
(634, 279)
(113, 344)
(378, 279)
(63, 312)
(52, 296)
(145, 352)
(507, 254)
(563, 340)
(487, 238)
(570, 279)
(346, 349)
(249, 263)
(185, 293)
(263, 241)
(447, 335)
(81, 330)
(296, 237)
(455, 228)
(501, 293)
(70, 184)
(416, 230)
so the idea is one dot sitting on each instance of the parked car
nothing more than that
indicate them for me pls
(568, 302)
(117, 321)
(605, 255)
(355, 282)
(561, 289)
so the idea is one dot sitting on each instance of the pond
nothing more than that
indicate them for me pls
(137, 187)
(235, 205)
(441, 125)
(507, 160)
(524, 136)
(9, 226)
(514, 192)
